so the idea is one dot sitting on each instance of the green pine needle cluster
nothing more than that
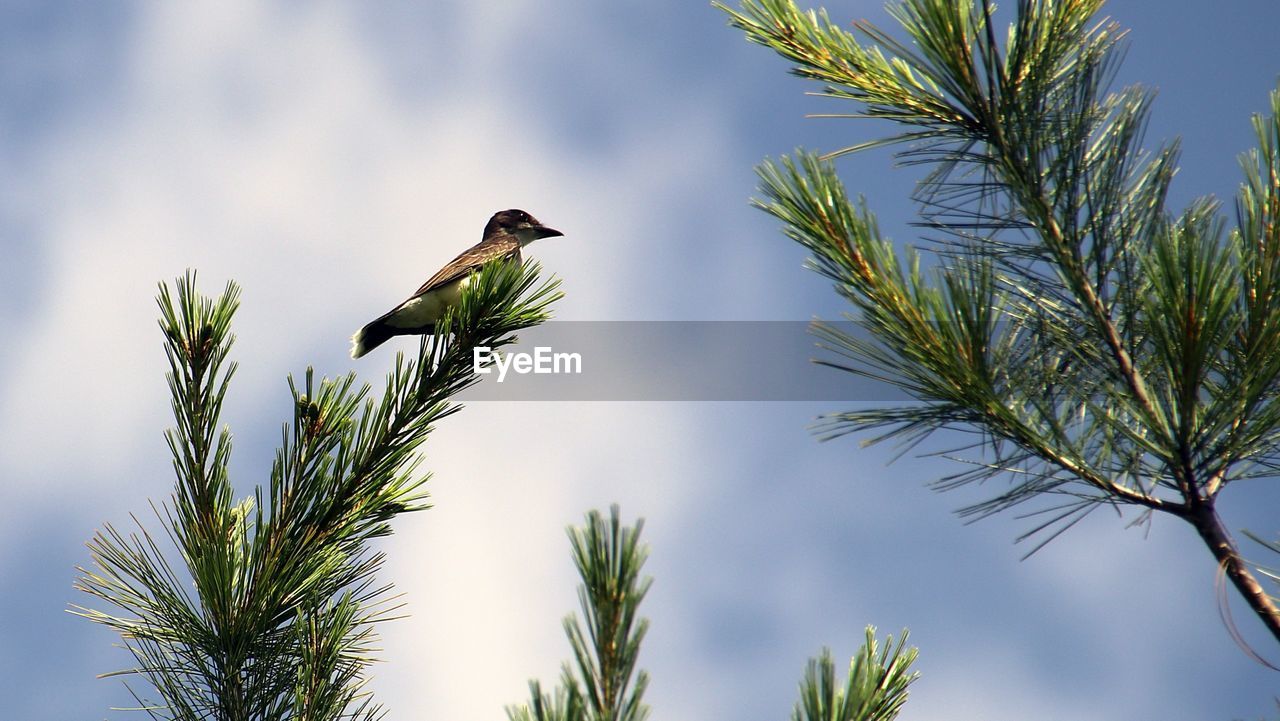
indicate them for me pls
(264, 608)
(874, 690)
(1093, 346)
(598, 686)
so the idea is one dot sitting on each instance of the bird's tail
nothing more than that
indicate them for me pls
(369, 337)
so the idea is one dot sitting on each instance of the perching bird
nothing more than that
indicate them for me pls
(505, 234)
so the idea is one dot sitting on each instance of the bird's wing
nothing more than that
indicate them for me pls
(469, 261)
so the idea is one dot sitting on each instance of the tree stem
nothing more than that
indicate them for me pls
(1207, 523)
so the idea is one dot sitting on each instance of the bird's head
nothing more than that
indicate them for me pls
(523, 226)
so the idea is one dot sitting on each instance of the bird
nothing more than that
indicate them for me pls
(504, 235)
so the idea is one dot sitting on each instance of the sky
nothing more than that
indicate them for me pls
(329, 156)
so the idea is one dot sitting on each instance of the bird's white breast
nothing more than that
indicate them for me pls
(428, 307)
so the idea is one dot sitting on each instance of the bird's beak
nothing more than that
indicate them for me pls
(545, 232)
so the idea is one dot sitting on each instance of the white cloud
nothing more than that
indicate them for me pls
(265, 144)
(272, 145)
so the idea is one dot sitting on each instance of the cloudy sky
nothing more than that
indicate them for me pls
(329, 156)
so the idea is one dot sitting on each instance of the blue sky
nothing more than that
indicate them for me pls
(329, 156)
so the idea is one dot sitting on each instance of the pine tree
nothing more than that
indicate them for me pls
(598, 685)
(1095, 348)
(264, 608)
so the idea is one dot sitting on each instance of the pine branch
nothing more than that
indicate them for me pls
(599, 686)
(595, 688)
(267, 611)
(874, 690)
(1095, 345)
